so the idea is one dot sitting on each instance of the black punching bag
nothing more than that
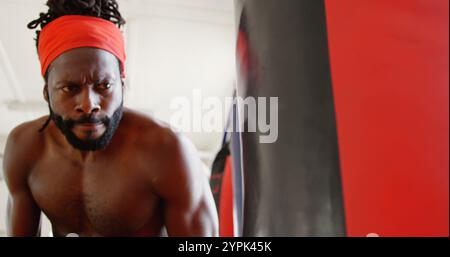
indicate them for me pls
(292, 187)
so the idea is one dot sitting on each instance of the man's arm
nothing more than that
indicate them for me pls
(189, 208)
(23, 215)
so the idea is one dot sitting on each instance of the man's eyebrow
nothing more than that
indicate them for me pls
(66, 82)
(104, 79)
(97, 78)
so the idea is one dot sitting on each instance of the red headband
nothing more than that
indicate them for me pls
(75, 31)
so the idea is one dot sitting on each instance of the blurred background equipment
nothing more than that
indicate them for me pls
(363, 144)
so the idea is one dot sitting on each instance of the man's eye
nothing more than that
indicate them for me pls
(69, 88)
(104, 86)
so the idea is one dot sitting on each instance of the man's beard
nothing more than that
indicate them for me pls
(111, 125)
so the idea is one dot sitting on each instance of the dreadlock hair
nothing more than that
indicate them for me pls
(105, 9)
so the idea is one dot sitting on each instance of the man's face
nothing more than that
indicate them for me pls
(85, 96)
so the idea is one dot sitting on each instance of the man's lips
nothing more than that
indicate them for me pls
(89, 126)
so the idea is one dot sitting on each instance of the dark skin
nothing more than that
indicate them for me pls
(146, 179)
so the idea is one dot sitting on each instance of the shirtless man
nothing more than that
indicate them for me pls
(93, 167)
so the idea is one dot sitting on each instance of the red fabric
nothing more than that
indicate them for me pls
(390, 62)
(226, 227)
(75, 31)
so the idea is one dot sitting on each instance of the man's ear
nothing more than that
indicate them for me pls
(45, 92)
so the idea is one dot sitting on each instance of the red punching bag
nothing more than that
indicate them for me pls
(226, 227)
(222, 189)
(363, 122)
(389, 66)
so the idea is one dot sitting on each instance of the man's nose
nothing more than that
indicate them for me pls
(88, 101)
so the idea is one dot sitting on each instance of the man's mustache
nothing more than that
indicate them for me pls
(86, 119)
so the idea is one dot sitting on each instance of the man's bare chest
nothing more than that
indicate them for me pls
(106, 196)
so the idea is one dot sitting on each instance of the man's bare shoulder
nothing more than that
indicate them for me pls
(26, 134)
(154, 134)
(149, 130)
(23, 146)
